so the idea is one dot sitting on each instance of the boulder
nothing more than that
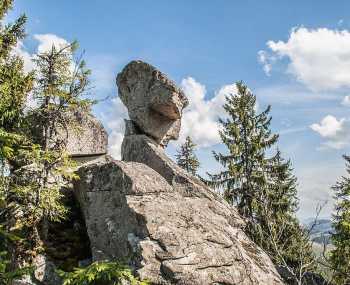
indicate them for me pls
(133, 213)
(153, 101)
(87, 138)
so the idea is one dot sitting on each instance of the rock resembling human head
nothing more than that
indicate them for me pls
(153, 101)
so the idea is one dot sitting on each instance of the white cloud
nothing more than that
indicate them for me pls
(328, 127)
(200, 118)
(115, 140)
(346, 101)
(319, 58)
(336, 132)
(114, 120)
(46, 41)
(266, 60)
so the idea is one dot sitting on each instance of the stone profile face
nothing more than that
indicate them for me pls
(153, 101)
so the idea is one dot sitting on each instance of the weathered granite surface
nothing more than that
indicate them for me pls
(154, 102)
(143, 149)
(133, 213)
(88, 138)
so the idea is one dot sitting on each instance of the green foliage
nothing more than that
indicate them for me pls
(61, 84)
(262, 187)
(45, 166)
(247, 136)
(15, 85)
(276, 227)
(11, 33)
(7, 275)
(101, 273)
(186, 158)
(33, 161)
(340, 256)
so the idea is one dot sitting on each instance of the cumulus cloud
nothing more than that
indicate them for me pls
(346, 101)
(46, 41)
(115, 123)
(336, 132)
(266, 60)
(319, 58)
(200, 118)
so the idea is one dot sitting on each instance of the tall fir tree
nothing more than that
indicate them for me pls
(340, 256)
(262, 187)
(247, 136)
(186, 157)
(15, 85)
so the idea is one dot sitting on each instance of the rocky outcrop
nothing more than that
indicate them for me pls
(132, 213)
(154, 102)
(147, 211)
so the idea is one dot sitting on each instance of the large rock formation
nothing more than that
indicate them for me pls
(169, 226)
(154, 102)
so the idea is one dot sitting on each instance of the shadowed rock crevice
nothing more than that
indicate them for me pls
(68, 244)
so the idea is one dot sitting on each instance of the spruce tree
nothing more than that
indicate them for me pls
(61, 85)
(247, 136)
(186, 157)
(277, 229)
(262, 187)
(14, 89)
(340, 256)
(14, 85)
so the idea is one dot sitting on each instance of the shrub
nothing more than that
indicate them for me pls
(102, 272)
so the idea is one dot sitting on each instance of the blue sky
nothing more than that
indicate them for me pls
(294, 55)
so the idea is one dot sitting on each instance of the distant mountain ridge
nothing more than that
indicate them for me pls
(320, 231)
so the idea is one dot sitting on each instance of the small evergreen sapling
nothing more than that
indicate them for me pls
(186, 157)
